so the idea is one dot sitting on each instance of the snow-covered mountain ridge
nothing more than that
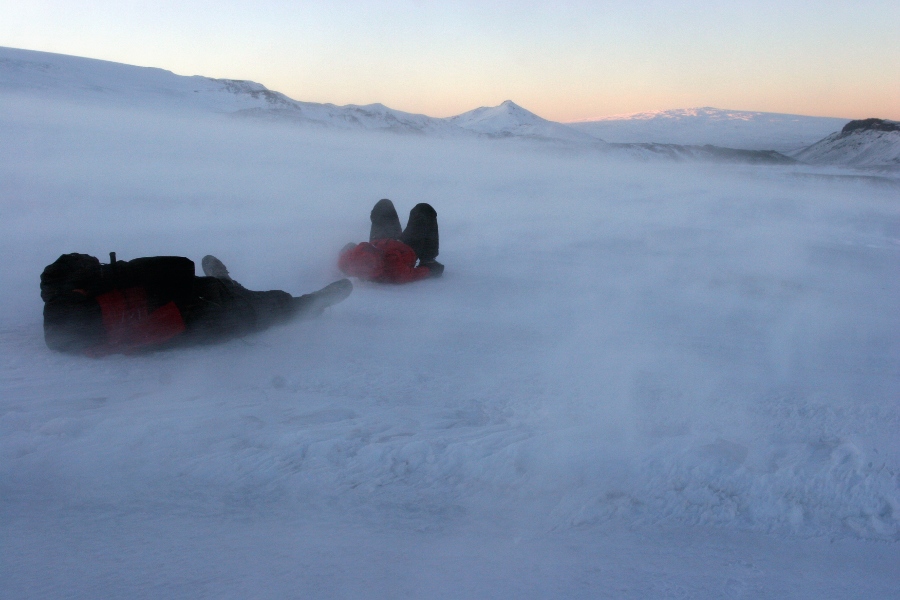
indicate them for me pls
(685, 134)
(97, 81)
(92, 81)
(706, 125)
(866, 143)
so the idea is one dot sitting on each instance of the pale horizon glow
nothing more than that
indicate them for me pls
(570, 62)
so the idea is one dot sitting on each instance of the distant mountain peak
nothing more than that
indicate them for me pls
(505, 108)
(505, 114)
(508, 119)
(510, 105)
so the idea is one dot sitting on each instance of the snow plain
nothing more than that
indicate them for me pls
(635, 380)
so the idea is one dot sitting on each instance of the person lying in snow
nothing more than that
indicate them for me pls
(157, 302)
(390, 255)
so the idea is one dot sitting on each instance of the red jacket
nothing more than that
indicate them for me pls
(384, 261)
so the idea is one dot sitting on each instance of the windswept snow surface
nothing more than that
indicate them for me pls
(634, 380)
(740, 129)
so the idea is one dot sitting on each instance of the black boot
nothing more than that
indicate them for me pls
(312, 305)
(421, 233)
(213, 267)
(385, 222)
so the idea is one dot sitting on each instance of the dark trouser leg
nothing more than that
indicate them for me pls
(217, 313)
(385, 222)
(249, 310)
(222, 308)
(421, 233)
(225, 309)
(272, 307)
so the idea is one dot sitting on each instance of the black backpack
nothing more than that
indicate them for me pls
(70, 286)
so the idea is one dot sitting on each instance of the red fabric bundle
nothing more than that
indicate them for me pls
(383, 261)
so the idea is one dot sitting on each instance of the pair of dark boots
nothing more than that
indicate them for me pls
(421, 233)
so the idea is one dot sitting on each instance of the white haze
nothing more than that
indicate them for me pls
(635, 380)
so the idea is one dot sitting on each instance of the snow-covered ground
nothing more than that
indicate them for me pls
(635, 380)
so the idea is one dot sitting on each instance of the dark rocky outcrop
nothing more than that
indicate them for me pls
(870, 125)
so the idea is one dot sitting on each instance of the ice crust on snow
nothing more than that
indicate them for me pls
(634, 377)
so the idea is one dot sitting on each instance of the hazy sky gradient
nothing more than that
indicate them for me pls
(564, 61)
